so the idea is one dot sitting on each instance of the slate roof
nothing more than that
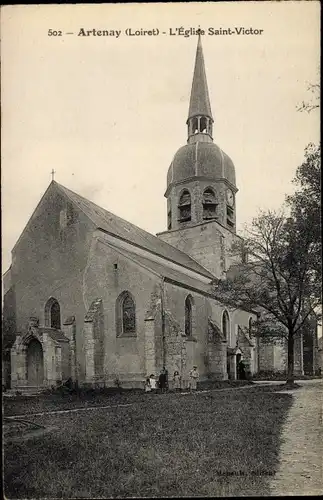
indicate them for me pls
(204, 159)
(171, 274)
(216, 329)
(56, 335)
(127, 231)
(94, 309)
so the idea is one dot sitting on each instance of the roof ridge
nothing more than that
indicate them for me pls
(143, 236)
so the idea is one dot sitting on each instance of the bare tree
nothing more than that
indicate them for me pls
(278, 279)
(314, 103)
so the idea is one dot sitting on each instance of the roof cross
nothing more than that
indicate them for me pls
(53, 173)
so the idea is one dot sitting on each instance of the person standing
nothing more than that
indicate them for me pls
(242, 371)
(194, 376)
(166, 378)
(162, 381)
(147, 385)
(176, 381)
(153, 382)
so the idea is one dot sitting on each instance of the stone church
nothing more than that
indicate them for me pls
(92, 298)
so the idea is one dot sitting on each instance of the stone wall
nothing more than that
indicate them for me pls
(110, 273)
(93, 335)
(273, 356)
(246, 346)
(298, 355)
(195, 346)
(94, 342)
(266, 356)
(154, 335)
(49, 261)
(69, 329)
(216, 352)
(150, 347)
(208, 243)
(175, 346)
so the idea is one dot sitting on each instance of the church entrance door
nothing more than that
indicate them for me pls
(35, 363)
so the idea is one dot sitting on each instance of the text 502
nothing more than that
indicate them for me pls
(54, 33)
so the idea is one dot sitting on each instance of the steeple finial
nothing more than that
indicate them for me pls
(200, 101)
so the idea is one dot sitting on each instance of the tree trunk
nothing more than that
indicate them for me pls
(290, 358)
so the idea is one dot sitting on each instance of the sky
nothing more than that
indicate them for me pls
(108, 114)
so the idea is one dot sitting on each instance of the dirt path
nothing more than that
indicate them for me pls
(301, 453)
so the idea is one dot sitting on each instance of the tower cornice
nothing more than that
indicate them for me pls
(201, 178)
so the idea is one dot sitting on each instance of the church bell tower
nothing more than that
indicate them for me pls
(201, 184)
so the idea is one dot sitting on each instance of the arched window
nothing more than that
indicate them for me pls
(53, 314)
(184, 207)
(195, 125)
(189, 316)
(199, 125)
(203, 125)
(226, 325)
(209, 204)
(126, 314)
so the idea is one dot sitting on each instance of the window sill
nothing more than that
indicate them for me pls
(190, 339)
(127, 335)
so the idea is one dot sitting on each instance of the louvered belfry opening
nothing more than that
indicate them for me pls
(209, 204)
(184, 207)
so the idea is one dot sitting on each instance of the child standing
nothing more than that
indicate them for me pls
(176, 381)
(153, 382)
(147, 385)
(194, 376)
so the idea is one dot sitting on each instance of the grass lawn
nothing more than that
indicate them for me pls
(61, 400)
(210, 444)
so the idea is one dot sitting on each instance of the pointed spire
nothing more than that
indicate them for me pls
(200, 101)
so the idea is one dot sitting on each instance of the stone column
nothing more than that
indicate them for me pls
(58, 364)
(47, 361)
(20, 360)
(216, 354)
(69, 329)
(89, 344)
(14, 361)
(224, 358)
(22, 367)
(150, 352)
(233, 367)
(173, 359)
(183, 356)
(17, 360)
(73, 367)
